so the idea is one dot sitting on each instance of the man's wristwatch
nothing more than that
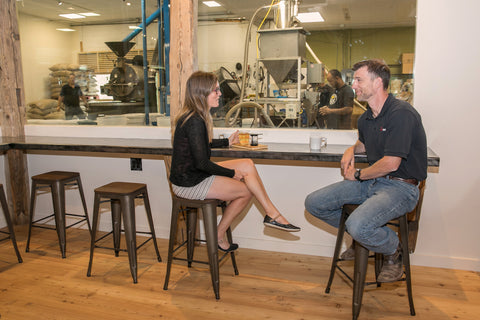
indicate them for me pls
(357, 175)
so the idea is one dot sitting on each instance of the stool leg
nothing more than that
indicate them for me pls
(128, 206)
(360, 270)
(210, 221)
(338, 247)
(58, 198)
(232, 254)
(33, 197)
(171, 241)
(148, 210)
(6, 213)
(223, 205)
(192, 217)
(96, 205)
(116, 224)
(406, 260)
(82, 197)
(378, 266)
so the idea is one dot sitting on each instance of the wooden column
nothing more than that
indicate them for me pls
(12, 110)
(183, 49)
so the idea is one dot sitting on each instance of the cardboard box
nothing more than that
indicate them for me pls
(407, 63)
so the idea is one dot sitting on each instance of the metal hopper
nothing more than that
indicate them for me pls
(120, 48)
(279, 53)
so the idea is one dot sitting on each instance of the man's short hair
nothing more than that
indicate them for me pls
(335, 73)
(377, 68)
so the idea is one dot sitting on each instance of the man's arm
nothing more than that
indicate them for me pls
(60, 100)
(348, 158)
(340, 111)
(380, 168)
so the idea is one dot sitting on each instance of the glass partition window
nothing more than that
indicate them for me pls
(271, 66)
(273, 69)
(86, 62)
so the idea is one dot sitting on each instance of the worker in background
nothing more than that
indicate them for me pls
(70, 95)
(339, 110)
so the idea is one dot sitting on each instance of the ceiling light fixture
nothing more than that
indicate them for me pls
(212, 4)
(65, 29)
(60, 3)
(89, 14)
(72, 16)
(307, 17)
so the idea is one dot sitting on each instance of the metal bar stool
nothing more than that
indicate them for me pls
(407, 226)
(11, 233)
(209, 211)
(122, 197)
(56, 181)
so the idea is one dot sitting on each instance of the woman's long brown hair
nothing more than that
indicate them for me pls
(199, 86)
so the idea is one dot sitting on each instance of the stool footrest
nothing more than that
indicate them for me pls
(124, 250)
(43, 226)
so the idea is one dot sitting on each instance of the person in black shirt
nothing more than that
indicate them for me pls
(194, 176)
(339, 111)
(391, 134)
(70, 96)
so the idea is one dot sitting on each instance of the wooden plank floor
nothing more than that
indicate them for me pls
(270, 286)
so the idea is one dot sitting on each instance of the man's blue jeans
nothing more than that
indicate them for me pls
(380, 200)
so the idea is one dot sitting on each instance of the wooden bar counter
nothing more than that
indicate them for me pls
(276, 151)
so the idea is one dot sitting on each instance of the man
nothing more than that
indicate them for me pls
(338, 113)
(392, 135)
(70, 96)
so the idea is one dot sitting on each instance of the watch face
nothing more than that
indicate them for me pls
(357, 175)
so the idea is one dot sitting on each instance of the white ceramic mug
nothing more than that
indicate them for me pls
(315, 142)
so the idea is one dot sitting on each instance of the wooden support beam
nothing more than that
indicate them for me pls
(12, 110)
(183, 49)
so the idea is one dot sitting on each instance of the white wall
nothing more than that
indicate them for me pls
(42, 46)
(446, 71)
(215, 50)
(447, 66)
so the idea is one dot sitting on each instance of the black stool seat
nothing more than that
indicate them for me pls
(407, 226)
(11, 233)
(122, 197)
(56, 181)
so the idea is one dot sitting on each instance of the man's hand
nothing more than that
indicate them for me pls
(349, 174)
(325, 110)
(348, 161)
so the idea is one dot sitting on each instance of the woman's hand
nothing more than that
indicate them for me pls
(238, 175)
(234, 138)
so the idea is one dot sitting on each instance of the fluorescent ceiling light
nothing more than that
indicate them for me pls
(212, 4)
(72, 16)
(65, 29)
(134, 27)
(310, 17)
(89, 14)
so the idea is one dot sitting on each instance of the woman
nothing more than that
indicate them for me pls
(194, 176)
